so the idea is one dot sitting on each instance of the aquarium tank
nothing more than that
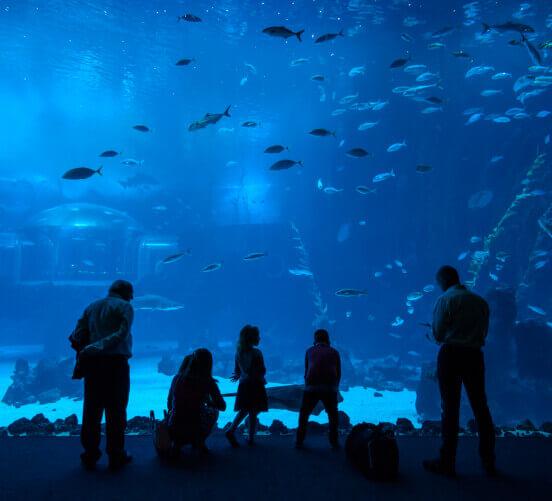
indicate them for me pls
(289, 164)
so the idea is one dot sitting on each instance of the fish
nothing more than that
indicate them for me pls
(321, 133)
(141, 128)
(330, 190)
(176, 257)
(461, 53)
(329, 36)
(399, 63)
(282, 32)
(81, 173)
(546, 45)
(298, 62)
(501, 120)
(428, 288)
(351, 292)
(463, 255)
(357, 153)
(367, 125)
(471, 111)
(423, 168)
(503, 75)
(211, 267)
(155, 303)
(285, 164)
(496, 158)
(397, 322)
(475, 240)
(536, 309)
(319, 184)
(415, 68)
(209, 119)
(378, 274)
(431, 109)
(275, 148)
(357, 71)
(436, 45)
(243, 81)
(249, 124)
(508, 26)
(543, 114)
(407, 38)
(447, 30)
(254, 255)
(491, 92)
(478, 70)
(379, 105)
(378, 178)
(364, 190)
(318, 78)
(337, 112)
(414, 296)
(300, 272)
(131, 162)
(534, 54)
(396, 147)
(184, 62)
(190, 18)
(474, 118)
(109, 154)
(426, 76)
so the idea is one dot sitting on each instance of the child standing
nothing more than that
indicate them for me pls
(250, 371)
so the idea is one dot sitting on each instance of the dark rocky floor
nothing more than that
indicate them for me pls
(38, 468)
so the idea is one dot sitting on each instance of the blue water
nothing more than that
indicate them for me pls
(77, 76)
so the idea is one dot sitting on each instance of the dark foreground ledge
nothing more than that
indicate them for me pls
(38, 468)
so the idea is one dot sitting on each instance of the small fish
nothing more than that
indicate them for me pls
(543, 114)
(249, 124)
(414, 296)
(357, 153)
(541, 264)
(399, 63)
(378, 274)
(212, 267)
(397, 322)
(463, 255)
(503, 75)
(109, 154)
(491, 92)
(329, 36)
(407, 38)
(243, 81)
(378, 178)
(367, 125)
(536, 309)
(348, 99)
(423, 168)
(431, 109)
(364, 190)
(318, 78)
(321, 133)
(351, 292)
(81, 173)
(415, 68)
(319, 184)
(475, 240)
(131, 162)
(190, 18)
(461, 53)
(300, 272)
(337, 112)
(501, 120)
(285, 164)
(436, 45)
(357, 71)
(426, 77)
(478, 70)
(276, 148)
(396, 147)
(428, 288)
(474, 118)
(330, 190)
(496, 158)
(176, 257)
(282, 32)
(141, 128)
(184, 62)
(447, 30)
(254, 255)
(433, 100)
(299, 62)
(398, 263)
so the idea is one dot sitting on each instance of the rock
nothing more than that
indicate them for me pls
(387, 426)
(278, 428)
(526, 425)
(344, 421)
(49, 396)
(546, 427)
(139, 424)
(22, 426)
(404, 426)
(71, 420)
(377, 394)
(315, 428)
(40, 420)
(430, 427)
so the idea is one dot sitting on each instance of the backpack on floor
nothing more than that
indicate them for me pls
(373, 450)
(161, 437)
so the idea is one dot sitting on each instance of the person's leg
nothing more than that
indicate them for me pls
(91, 419)
(450, 387)
(310, 399)
(329, 399)
(252, 426)
(230, 433)
(117, 387)
(474, 381)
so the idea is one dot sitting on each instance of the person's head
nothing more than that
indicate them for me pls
(322, 336)
(123, 289)
(447, 276)
(249, 337)
(198, 365)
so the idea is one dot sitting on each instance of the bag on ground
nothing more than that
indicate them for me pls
(373, 450)
(161, 437)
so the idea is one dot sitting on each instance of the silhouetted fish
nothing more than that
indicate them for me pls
(282, 32)
(276, 148)
(109, 153)
(141, 128)
(329, 36)
(81, 173)
(184, 62)
(285, 164)
(190, 18)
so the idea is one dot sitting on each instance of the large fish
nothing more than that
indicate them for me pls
(208, 119)
(508, 26)
(351, 292)
(81, 173)
(282, 32)
(534, 54)
(155, 303)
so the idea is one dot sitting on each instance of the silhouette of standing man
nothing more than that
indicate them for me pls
(460, 325)
(103, 343)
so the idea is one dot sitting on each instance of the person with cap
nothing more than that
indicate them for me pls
(103, 342)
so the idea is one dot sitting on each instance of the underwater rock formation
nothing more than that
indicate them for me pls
(46, 382)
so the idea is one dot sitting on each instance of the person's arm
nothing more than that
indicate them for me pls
(127, 316)
(216, 398)
(486, 316)
(237, 371)
(306, 364)
(441, 320)
(80, 336)
(338, 361)
(262, 368)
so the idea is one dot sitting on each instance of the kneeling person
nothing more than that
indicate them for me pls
(322, 376)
